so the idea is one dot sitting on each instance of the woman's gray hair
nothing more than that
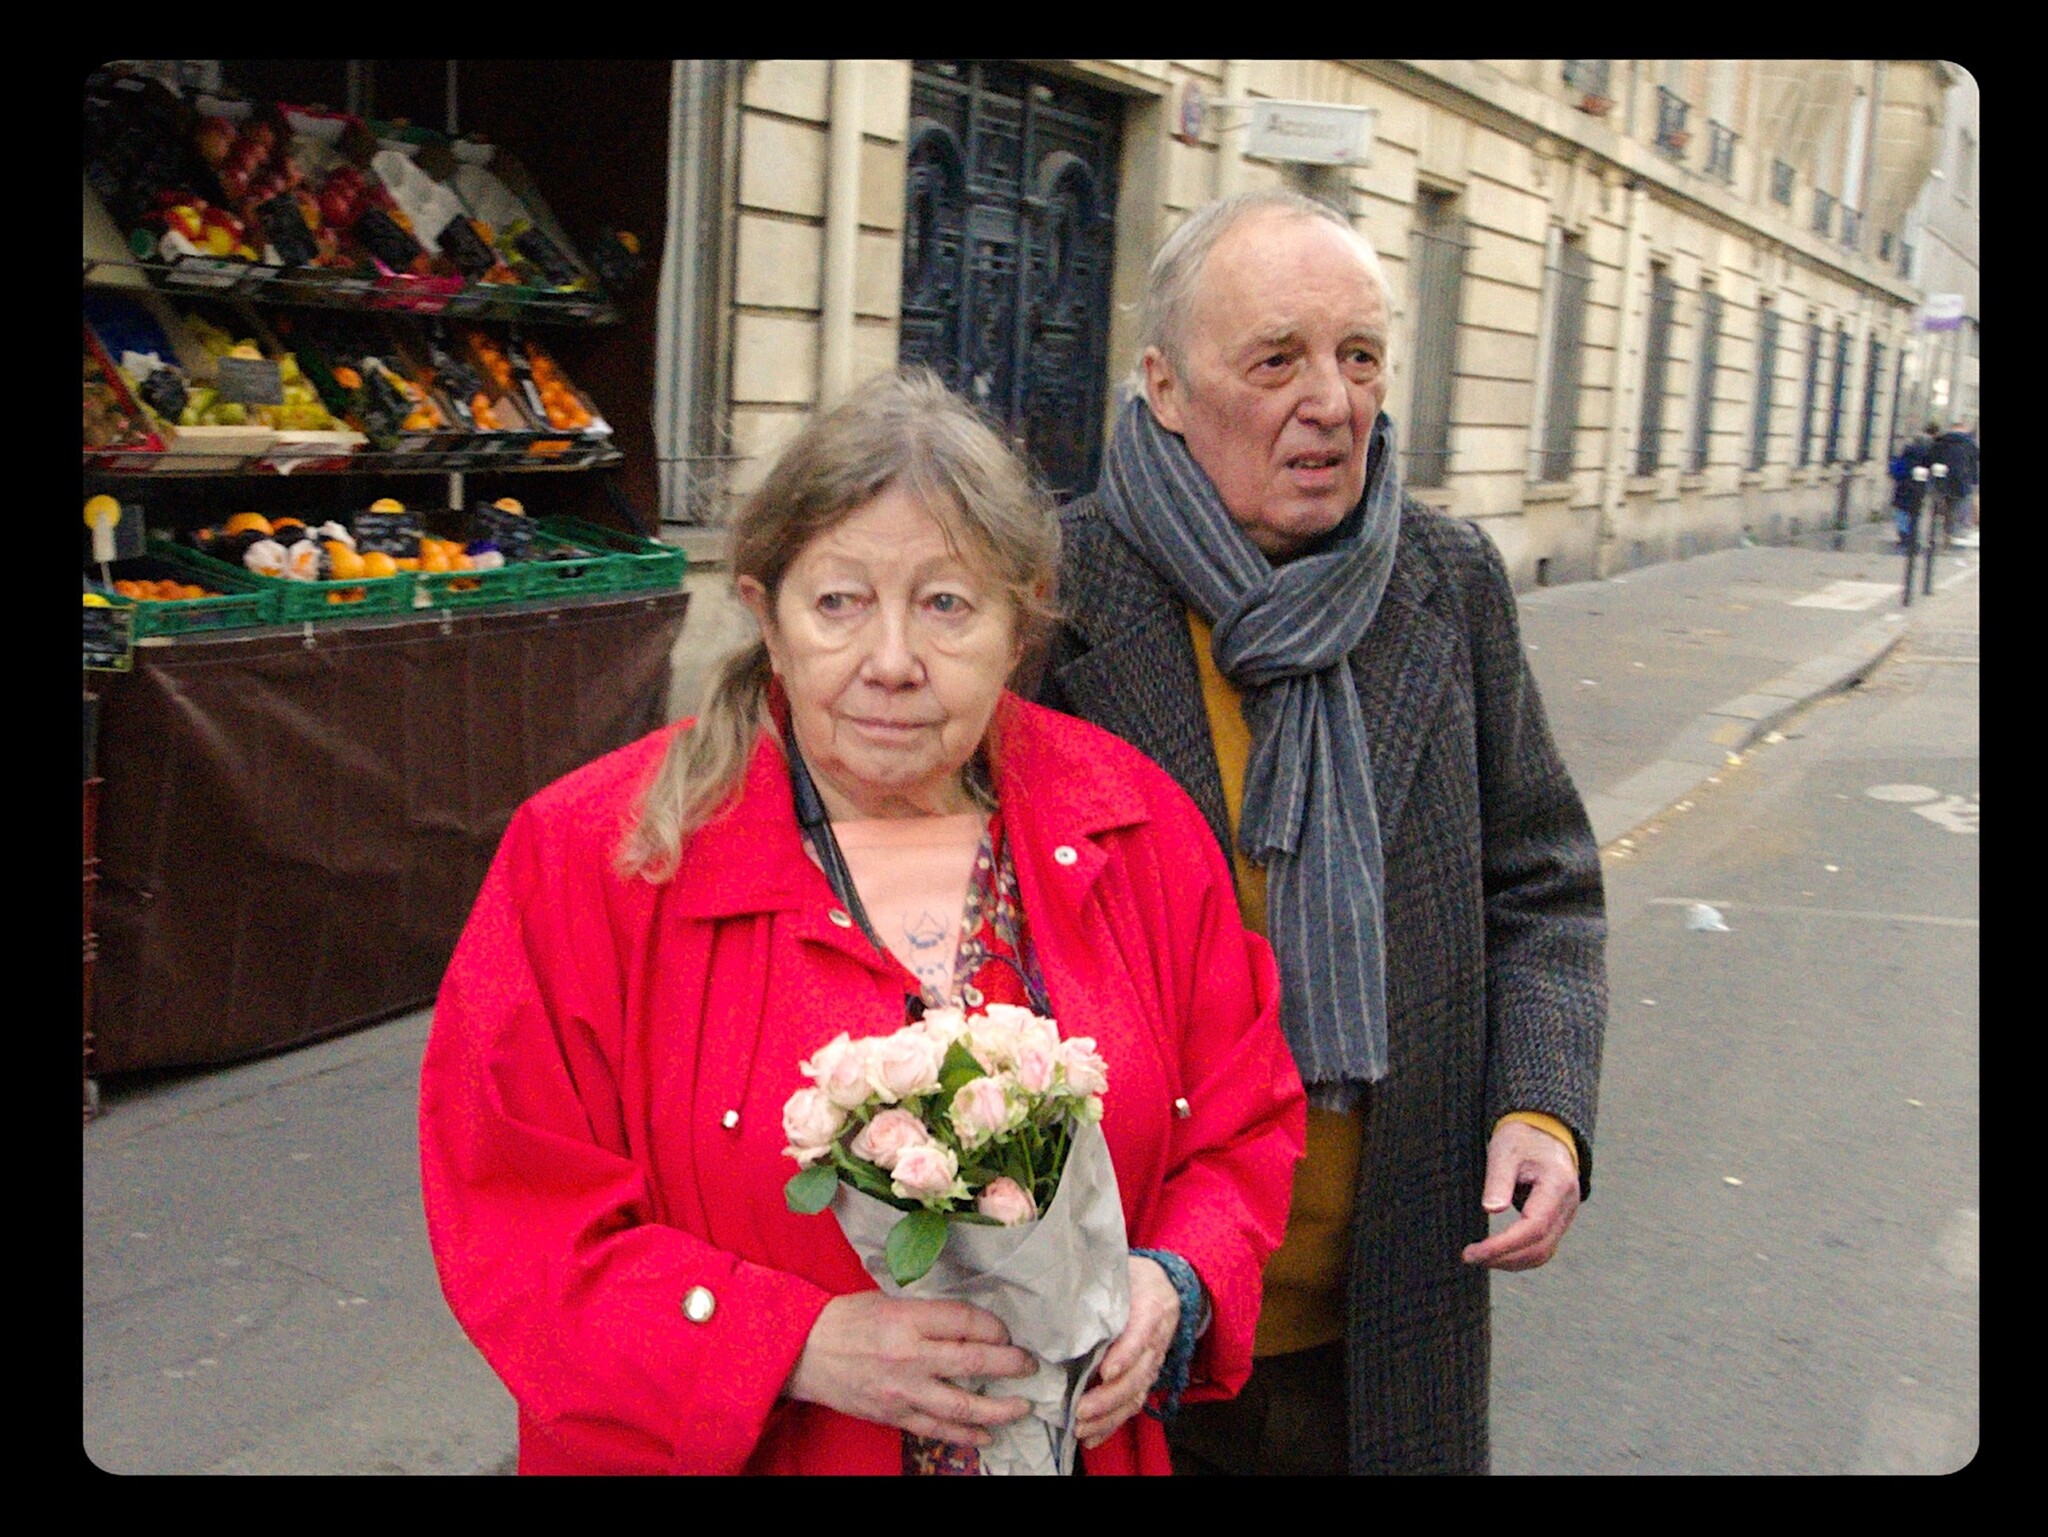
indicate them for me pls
(1170, 284)
(907, 431)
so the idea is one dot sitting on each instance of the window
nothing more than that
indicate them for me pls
(1587, 80)
(1966, 166)
(1766, 378)
(1823, 212)
(1781, 183)
(1671, 114)
(1703, 393)
(1721, 152)
(1852, 230)
(1656, 365)
(1837, 395)
(1905, 260)
(1812, 393)
(1440, 245)
(1567, 345)
(1873, 370)
(1885, 242)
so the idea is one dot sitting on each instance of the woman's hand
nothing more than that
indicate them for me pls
(886, 1359)
(1132, 1364)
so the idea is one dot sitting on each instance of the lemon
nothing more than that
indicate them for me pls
(387, 504)
(509, 504)
(94, 600)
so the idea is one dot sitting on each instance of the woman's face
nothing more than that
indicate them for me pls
(893, 650)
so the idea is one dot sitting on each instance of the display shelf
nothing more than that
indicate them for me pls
(353, 289)
(120, 462)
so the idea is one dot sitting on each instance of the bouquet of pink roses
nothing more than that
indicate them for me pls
(963, 1158)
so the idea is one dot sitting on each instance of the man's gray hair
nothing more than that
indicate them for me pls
(1170, 285)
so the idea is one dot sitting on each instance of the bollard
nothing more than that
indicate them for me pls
(1842, 509)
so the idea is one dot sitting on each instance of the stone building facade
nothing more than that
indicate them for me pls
(1641, 308)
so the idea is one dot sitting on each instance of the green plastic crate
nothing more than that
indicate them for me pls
(296, 602)
(637, 562)
(474, 589)
(580, 571)
(243, 600)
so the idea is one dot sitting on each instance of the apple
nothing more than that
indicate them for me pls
(216, 136)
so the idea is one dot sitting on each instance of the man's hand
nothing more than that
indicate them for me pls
(887, 1359)
(1131, 1365)
(1518, 1155)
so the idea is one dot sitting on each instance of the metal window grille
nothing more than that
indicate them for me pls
(1823, 211)
(1852, 229)
(1721, 152)
(1440, 246)
(1838, 392)
(1873, 370)
(1766, 380)
(1656, 365)
(1671, 132)
(1781, 182)
(1567, 347)
(1703, 396)
(1588, 77)
(1812, 392)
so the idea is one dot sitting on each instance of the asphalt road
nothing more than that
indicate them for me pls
(1778, 1271)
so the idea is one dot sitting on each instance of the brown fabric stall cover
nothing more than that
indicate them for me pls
(293, 827)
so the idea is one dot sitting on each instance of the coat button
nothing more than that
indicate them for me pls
(1064, 855)
(729, 1120)
(839, 916)
(1180, 1109)
(971, 996)
(699, 1304)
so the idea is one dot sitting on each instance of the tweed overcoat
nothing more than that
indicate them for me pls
(1495, 917)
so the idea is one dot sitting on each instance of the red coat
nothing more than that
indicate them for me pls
(593, 1032)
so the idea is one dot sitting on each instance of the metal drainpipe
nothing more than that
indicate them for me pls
(842, 234)
(1613, 477)
(1229, 157)
(676, 315)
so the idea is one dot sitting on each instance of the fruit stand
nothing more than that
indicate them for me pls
(337, 629)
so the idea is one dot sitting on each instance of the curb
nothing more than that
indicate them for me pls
(1729, 729)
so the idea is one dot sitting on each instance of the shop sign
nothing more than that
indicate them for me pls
(1944, 312)
(1311, 133)
(109, 637)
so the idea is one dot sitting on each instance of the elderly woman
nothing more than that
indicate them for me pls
(863, 821)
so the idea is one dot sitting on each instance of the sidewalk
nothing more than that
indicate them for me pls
(258, 1297)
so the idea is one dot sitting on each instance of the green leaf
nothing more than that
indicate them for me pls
(866, 1178)
(959, 1067)
(810, 1191)
(914, 1245)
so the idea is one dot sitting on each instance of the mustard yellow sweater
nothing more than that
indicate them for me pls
(1305, 1279)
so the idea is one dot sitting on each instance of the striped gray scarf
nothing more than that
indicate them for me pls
(1284, 635)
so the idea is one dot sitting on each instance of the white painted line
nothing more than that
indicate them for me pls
(1849, 596)
(1737, 909)
(1960, 576)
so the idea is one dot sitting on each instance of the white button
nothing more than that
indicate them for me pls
(1180, 1108)
(838, 915)
(699, 1305)
(971, 996)
(1064, 855)
(729, 1120)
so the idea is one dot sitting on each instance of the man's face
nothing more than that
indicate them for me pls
(1285, 374)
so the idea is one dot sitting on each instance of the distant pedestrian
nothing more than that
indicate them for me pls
(1910, 491)
(1956, 451)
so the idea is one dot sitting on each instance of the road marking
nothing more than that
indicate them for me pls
(1737, 908)
(1957, 813)
(1904, 794)
(1956, 1250)
(1848, 596)
(1960, 576)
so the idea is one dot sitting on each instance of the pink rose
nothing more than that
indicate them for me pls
(1006, 1201)
(993, 1039)
(840, 1070)
(981, 1110)
(810, 1121)
(884, 1139)
(904, 1064)
(929, 1173)
(1037, 1065)
(944, 1026)
(1086, 1072)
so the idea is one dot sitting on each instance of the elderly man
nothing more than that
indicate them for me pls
(1335, 674)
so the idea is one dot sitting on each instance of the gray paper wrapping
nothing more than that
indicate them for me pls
(1061, 1285)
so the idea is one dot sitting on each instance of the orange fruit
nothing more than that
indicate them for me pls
(377, 563)
(243, 522)
(409, 563)
(432, 556)
(344, 562)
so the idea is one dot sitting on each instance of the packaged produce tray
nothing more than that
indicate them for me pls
(242, 601)
(635, 562)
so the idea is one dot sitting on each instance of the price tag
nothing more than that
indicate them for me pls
(109, 638)
(252, 381)
(511, 532)
(395, 533)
